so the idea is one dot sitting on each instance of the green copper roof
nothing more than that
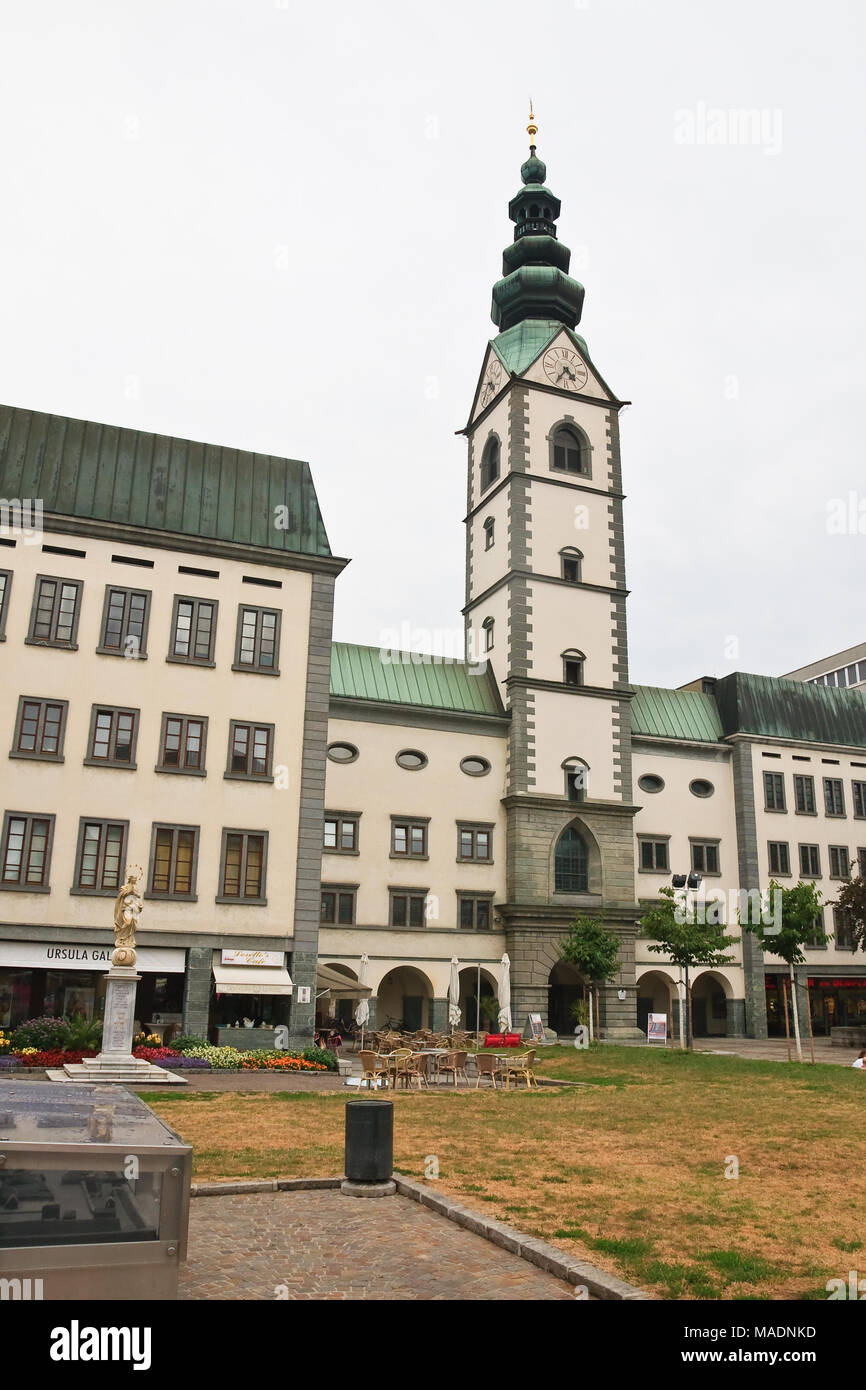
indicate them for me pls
(402, 678)
(778, 708)
(535, 282)
(132, 478)
(684, 714)
(519, 346)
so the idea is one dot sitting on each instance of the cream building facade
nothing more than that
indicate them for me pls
(173, 699)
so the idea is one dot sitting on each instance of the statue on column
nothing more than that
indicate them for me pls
(127, 910)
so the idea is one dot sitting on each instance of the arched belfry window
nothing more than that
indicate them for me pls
(490, 462)
(569, 450)
(576, 779)
(571, 863)
(487, 628)
(573, 663)
(572, 564)
(489, 533)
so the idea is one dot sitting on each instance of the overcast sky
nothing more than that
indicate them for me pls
(277, 225)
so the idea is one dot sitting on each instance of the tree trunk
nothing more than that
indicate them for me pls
(796, 1014)
(588, 991)
(787, 1024)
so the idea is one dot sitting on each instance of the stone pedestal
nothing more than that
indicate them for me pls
(116, 1062)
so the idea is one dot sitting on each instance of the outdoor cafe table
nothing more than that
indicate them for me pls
(434, 1052)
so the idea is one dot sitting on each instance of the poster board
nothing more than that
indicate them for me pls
(657, 1028)
(535, 1028)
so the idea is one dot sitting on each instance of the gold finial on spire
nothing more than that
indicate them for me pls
(532, 128)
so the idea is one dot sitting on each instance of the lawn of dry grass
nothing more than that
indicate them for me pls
(628, 1172)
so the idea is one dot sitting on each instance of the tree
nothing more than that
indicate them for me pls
(852, 899)
(593, 950)
(689, 935)
(794, 917)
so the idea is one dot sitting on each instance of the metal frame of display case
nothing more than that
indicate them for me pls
(115, 1268)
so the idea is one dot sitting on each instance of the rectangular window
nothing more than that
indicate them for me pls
(843, 929)
(101, 855)
(5, 587)
(780, 858)
(193, 630)
(182, 743)
(338, 906)
(475, 844)
(124, 622)
(834, 796)
(475, 913)
(409, 839)
(26, 851)
(654, 855)
(817, 937)
(573, 670)
(840, 866)
(859, 792)
(705, 856)
(810, 861)
(56, 605)
(774, 791)
(250, 750)
(571, 569)
(113, 736)
(40, 728)
(341, 834)
(804, 794)
(861, 862)
(408, 909)
(174, 856)
(244, 862)
(258, 640)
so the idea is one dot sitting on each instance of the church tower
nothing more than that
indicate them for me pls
(546, 606)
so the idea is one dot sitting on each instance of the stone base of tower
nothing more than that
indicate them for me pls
(535, 951)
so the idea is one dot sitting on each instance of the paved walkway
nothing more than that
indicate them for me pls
(774, 1049)
(324, 1246)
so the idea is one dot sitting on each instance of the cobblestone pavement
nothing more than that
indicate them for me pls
(774, 1049)
(324, 1246)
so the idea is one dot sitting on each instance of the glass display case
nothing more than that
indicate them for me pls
(94, 1192)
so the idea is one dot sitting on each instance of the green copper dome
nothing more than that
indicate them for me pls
(536, 283)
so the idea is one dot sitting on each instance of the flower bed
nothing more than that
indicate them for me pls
(278, 1061)
(30, 1057)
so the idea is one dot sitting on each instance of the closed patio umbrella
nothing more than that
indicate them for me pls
(505, 995)
(362, 1009)
(454, 994)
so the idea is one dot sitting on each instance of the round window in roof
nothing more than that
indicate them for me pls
(412, 760)
(650, 782)
(475, 767)
(342, 752)
(701, 787)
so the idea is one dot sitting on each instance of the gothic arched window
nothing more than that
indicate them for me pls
(571, 863)
(490, 462)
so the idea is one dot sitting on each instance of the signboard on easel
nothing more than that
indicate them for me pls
(535, 1027)
(657, 1028)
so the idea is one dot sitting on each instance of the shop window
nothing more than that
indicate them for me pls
(40, 728)
(182, 744)
(56, 609)
(124, 623)
(25, 852)
(251, 751)
(193, 630)
(257, 646)
(173, 862)
(243, 867)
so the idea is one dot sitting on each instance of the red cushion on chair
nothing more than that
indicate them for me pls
(494, 1040)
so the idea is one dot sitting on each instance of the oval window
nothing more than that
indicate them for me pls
(701, 787)
(411, 759)
(342, 752)
(651, 783)
(475, 767)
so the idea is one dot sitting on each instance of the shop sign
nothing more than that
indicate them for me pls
(41, 955)
(269, 958)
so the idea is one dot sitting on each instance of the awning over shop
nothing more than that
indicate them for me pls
(252, 979)
(339, 986)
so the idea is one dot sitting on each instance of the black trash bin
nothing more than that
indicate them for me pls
(369, 1140)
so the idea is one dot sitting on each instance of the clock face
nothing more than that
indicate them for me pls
(492, 381)
(565, 369)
